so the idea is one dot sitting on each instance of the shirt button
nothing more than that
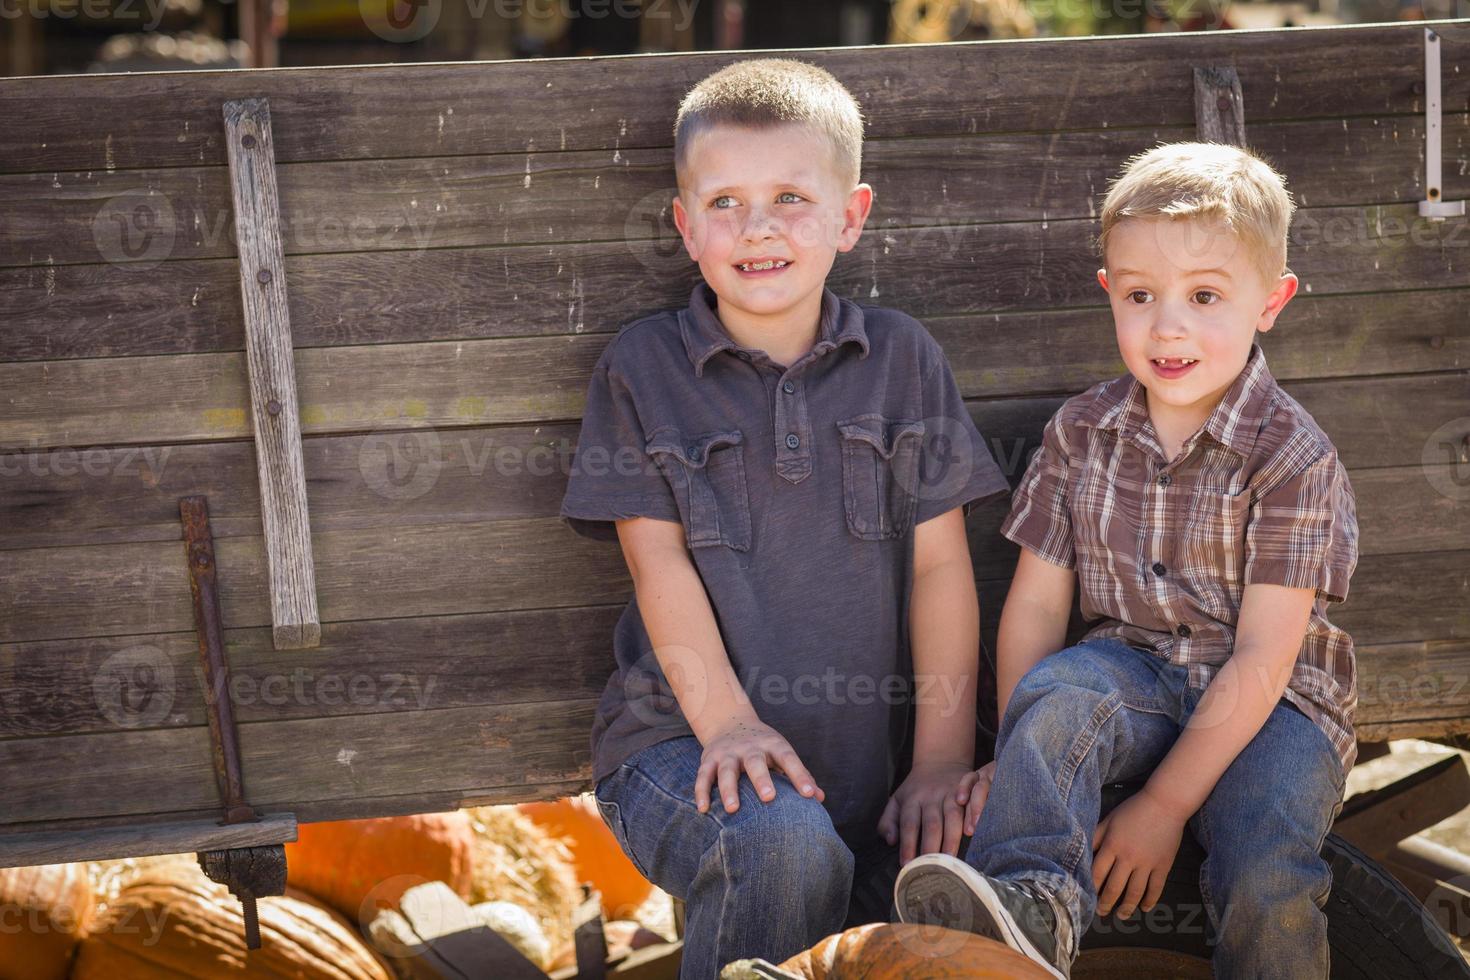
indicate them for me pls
(1165, 479)
(791, 441)
(788, 387)
(1159, 568)
(694, 453)
(1183, 630)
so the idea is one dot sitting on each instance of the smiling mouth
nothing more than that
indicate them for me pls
(765, 266)
(1172, 363)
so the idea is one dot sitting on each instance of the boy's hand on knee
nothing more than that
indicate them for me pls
(1134, 849)
(926, 804)
(756, 748)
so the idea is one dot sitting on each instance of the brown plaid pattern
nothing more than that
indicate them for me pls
(1163, 551)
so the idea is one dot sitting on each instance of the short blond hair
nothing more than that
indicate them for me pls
(760, 93)
(1206, 180)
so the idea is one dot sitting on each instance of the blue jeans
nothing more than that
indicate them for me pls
(1103, 712)
(769, 880)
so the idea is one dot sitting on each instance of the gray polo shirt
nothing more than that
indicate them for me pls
(798, 489)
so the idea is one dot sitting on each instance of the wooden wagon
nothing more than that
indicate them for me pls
(313, 343)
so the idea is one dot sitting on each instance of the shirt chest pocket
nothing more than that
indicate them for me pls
(880, 474)
(1213, 532)
(707, 474)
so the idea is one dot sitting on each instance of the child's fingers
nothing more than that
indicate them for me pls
(1137, 885)
(1101, 865)
(888, 823)
(1118, 876)
(954, 827)
(931, 825)
(978, 795)
(1155, 888)
(760, 776)
(790, 763)
(703, 779)
(729, 776)
(967, 783)
(908, 832)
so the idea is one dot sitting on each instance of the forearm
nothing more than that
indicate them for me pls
(944, 635)
(688, 646)
(1028, 632)
(1234, 707)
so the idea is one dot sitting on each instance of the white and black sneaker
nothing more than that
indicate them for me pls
(937, 889)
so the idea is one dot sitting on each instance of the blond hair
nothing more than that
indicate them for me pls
(764, 92)
(1206, 180)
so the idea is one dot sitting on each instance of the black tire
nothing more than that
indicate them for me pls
(1376, 928)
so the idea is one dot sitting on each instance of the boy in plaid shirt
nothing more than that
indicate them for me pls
(1209, 522)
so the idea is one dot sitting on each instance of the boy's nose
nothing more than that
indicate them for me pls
(760, 226)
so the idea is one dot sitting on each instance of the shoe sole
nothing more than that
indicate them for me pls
(936, 889)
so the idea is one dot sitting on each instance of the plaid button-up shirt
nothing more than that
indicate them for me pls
(1164, 549)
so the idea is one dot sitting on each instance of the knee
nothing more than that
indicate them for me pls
(791, 837)
(1064, 682)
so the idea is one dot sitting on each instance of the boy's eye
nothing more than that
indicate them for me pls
(723, 201)
(1205, 297)
(794, 198)
(1134, 296)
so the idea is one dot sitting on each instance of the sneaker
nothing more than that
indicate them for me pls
(937, 889)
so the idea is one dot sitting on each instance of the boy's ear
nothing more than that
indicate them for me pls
(854, 216)
(681, 222)
(1276, 301)
(1102, 278)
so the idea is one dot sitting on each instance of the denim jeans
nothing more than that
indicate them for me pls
(1103, 712)
(769, 880)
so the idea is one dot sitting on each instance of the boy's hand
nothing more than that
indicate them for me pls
(973, 792)
(755, 747)
(1135, 846)
(926, 801)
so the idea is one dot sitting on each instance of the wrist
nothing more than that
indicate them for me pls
(1169, 805)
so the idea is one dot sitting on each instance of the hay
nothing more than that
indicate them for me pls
(516, 861)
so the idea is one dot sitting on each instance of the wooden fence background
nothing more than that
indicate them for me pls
(461, 241)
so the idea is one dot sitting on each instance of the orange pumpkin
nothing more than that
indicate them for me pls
(361, 866)
(596, 854)
(878, 951)
(170, 922)
(43, 915)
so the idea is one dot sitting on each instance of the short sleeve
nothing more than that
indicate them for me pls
(956, 467)
(1041, 517)
(612, 476)
(1303, 533)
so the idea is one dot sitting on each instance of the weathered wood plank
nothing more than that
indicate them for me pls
(158, 399)
(324, 759)
(93, 121)
(447, 569)
(1416, 686)
(271, 371)
(452, 294)
(140, 840)
(440, 570)
(124, 683)
(183, 213)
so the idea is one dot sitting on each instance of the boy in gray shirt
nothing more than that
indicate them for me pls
(787, 474)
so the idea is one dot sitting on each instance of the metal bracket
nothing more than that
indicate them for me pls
(250, 872)
(1434, 207)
